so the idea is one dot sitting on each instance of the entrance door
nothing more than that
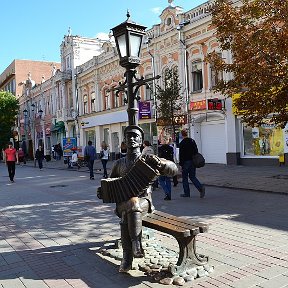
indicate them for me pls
(213, 141)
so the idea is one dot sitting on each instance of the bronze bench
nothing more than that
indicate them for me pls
(184, 231)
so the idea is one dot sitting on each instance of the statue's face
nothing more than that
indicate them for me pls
(133, 139)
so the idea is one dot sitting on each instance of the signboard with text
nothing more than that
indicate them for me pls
(144, 110)
(177, 119)
(215, 104)
(197, 105)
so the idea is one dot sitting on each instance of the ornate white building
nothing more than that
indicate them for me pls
(78, 101)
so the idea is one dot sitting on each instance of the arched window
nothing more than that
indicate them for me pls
(115, 98)
(149, 89)
(215, 76)
(107, 98)
(93, 102)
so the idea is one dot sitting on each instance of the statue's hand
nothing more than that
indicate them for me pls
(99, 192)
(155, 162)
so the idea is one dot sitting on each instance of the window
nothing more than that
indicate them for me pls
(85, 104)
(168, 21)
(93, 102)
(197, 78)
(13, 86)
(90, 136)
(68, 64)
(107, 100)
(215, 76)
(149, 90)
(106, 135)
(70, 98)
(266, 140)
(122, 98)
(115, 100)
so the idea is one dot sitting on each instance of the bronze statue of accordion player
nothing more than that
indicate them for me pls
(129, 186)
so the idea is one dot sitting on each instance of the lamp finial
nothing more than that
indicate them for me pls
(128, 14)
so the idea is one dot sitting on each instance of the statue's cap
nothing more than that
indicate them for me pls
(134, 128)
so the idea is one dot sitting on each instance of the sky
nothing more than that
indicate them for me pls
(34, 29)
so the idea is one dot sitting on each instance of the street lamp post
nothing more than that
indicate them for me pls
(128, 37)
(25, 113)
(40, 113)
(29, 122)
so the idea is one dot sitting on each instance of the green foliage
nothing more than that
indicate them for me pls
(169, 97)
(9, 107)
(257, 35)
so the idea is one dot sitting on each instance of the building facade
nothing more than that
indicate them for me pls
(17, 79)
(79, 100)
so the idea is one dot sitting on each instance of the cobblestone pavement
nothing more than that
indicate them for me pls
(52, 225)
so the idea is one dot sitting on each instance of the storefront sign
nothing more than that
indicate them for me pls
(198, 105)
(178, 120)
(215, 104)
(144, 110)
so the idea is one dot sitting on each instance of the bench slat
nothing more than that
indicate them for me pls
(202, 226)
(194, 230)
(165, 227)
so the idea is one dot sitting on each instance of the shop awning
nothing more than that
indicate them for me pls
(58, 127)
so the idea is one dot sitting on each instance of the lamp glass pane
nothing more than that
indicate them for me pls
(122, 45)
(135, 42)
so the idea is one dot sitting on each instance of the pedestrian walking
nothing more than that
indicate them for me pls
(188, 148)
(90, 156)
(166, 151)
(39, 156)
(104, 156)
(11, 157)
(53, 151)
(21, 156)
(60, 151)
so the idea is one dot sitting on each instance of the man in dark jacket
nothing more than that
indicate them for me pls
(90, 156)
(187, 149)
(39, 156)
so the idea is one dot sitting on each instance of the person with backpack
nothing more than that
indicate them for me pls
(166, 151)
(90, 156)
(187, 149)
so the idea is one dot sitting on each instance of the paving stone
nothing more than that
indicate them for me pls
(278, 281)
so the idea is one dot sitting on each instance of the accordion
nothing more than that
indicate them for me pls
(132, 184)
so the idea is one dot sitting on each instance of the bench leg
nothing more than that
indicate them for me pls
(188, 258)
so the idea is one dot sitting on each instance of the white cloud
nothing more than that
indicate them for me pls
(157, 10)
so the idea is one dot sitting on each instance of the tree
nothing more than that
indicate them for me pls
(9, 107)
(257, 35)
(169, 98)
